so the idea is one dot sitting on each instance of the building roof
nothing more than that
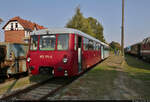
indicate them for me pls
(25, 23)
(67, 31)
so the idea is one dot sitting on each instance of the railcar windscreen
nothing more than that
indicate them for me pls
(63, 40)
(34, 43)
(47, 42)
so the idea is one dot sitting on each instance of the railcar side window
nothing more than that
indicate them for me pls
(47, 42)
(75, 42)
(62, 42)
(34, 43)
(90, 45)
(97, 46)
(85, 42)
(94, 45)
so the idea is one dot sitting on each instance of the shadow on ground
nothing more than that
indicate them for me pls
(39, 78)
(10, 88)
(137, 63)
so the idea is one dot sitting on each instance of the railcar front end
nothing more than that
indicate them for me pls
(51, 54)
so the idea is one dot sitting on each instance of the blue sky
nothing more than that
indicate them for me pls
(56, 13)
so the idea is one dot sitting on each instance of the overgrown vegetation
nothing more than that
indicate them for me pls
(88, 25)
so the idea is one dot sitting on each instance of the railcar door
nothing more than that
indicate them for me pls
(102, 52)
(79, 54)
(139, 50)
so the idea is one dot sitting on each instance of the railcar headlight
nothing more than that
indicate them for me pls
(65, 60)
(28, 59)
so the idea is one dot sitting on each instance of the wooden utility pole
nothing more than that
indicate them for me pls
(122, 30)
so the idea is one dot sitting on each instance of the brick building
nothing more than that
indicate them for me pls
(18, 30)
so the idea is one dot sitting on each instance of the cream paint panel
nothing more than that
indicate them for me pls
(8, 27)
(145, 51)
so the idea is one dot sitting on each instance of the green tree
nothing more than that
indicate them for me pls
(88, 25)
(115, 45)
(97, 28)
(79, 22)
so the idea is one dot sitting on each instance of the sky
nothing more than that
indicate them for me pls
(56, 13)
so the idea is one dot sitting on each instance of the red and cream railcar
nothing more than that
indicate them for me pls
(62, 52)
(145, 49)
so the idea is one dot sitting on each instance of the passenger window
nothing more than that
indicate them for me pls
(90, 45)
(47, 42)
(94, 45)
(85, 42)
(75, 42)
(34, 43)
(62, 42)
(97, 46)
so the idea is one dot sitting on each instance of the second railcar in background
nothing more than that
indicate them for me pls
(145, 49)
(136, 49)
(141, 49)
(63, 52)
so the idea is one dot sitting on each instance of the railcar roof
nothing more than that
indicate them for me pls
(136, 44)
(64, 30)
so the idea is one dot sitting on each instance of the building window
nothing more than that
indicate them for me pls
(11, 26)
(27, 34)
(16, 25)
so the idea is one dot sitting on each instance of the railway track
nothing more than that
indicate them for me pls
(41, 90)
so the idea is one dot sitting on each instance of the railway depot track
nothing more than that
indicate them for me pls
(40, 91)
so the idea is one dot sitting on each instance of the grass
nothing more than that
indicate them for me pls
(111, 79)
(140, 72)
(101, 76)
(136, 68)
(96, 84)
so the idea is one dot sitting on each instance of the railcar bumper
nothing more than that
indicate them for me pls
(57, 71)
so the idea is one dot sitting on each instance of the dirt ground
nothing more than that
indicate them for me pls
(107, 81)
